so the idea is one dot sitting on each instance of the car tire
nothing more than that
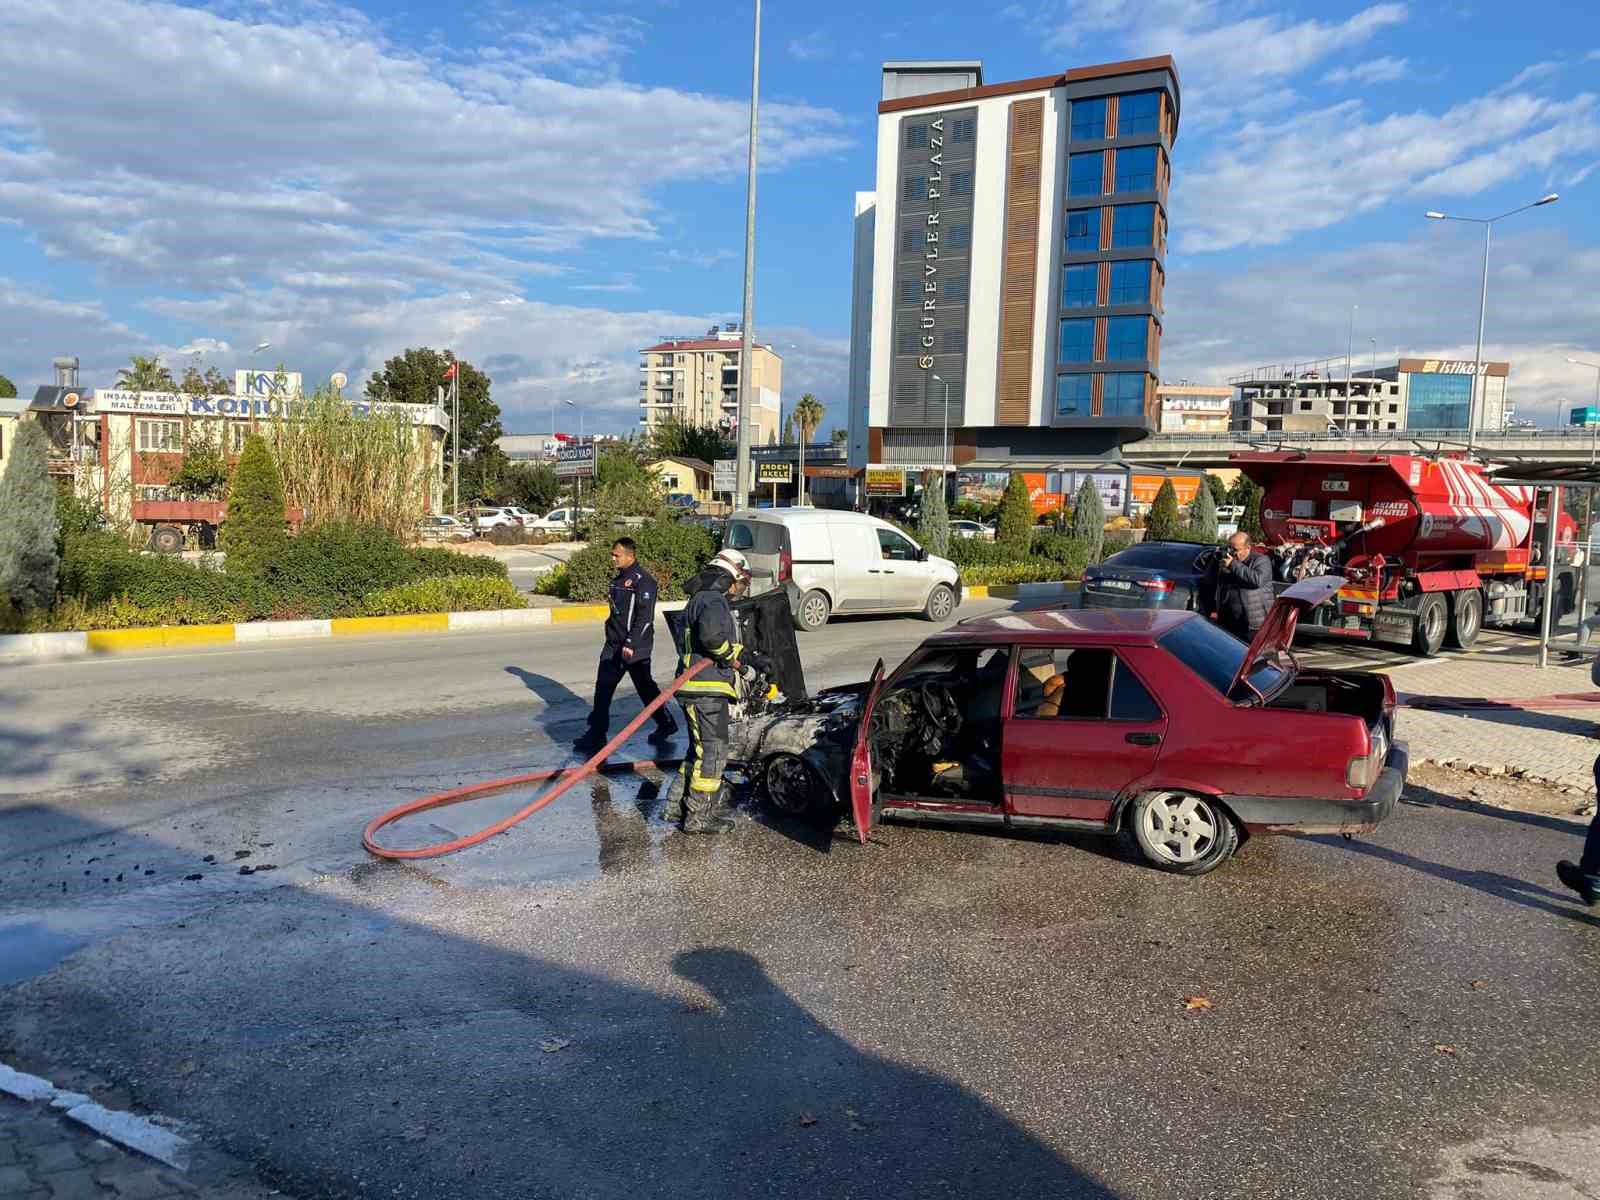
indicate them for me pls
(941, 603)
(1466, 618)
(1432, 621)
(1181, 832)
(811, 614)
(166, 539)
(793, 789)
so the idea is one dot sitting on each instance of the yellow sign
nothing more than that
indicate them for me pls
(771, 472)
(886, 481)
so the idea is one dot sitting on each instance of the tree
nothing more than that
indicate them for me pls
(1218, 489)
(1089, 519)
(1203, 515)
(839, 436)
(8, 390)
(1251, 521)
(1239, 490)
(533, 486)
(676, 439)
(808, 416)
(1015, 526)
(29, 558)
(204, 473)
(253, 534)
(212, 383)
(146, 375)
(415, 376)
(933, 526)
(1164, 524)
(619, 462)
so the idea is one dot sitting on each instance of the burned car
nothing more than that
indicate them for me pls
(1149, 721)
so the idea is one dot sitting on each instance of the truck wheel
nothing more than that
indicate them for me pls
(166, 539)
(1466, 618)
(812, 612)
(1428, 633)
(1183, 833)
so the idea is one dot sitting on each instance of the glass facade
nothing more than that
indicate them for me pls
(1083, 230)
(1079, 285)
(1133, 225)
(1439, 401)
(1136, 169)
(1073, 395)
(1086, 174)
(1088, 119)
(1127, 338)
(1139, 112)
(1077, 341)
(1123, 395)
(1130, 282)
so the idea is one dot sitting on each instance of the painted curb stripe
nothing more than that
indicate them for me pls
(420, 623)
(121, 641)
(580, 612)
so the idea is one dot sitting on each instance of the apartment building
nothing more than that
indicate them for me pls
(696, 380)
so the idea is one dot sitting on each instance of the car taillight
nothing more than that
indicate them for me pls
(1156, 585)
(1355, 775)
(1363, 772)
(785, 566)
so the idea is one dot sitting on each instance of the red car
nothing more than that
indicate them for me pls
(1150, 720)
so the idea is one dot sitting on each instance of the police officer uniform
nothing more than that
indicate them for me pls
(630, 626)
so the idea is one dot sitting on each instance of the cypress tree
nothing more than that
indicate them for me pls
(1164, 523)
(1089, 519)
(1203, 516)
(1251, 521)
(1014, 527)
(933, 524)
(29, 558)
(253, 536)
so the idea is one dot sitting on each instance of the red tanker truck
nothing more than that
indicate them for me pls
(1432, 549)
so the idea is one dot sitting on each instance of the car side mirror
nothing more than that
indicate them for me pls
(922, 554)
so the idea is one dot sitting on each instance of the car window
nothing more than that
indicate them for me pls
(1215, 655)
(739, 536)
(1084, 685)
(895, 546)
(1165, 556)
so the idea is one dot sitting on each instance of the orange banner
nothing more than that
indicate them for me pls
(1143, 488)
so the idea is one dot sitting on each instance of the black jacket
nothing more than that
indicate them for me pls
(710, 631)
(632, 622)
(1243, 590)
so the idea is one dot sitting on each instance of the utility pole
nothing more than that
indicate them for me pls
(455, 436)
(746, 344)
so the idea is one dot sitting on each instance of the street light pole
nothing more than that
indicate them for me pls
(944, 438)
(746, 344)
(1483, 300)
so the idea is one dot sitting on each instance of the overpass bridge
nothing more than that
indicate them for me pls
(1574, 445)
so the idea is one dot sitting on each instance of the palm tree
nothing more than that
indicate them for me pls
(146, 375)
(807, 416)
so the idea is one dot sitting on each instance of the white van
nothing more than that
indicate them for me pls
(834, 561)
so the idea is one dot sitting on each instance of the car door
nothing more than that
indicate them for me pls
(902, 576)
(1083, 729)
(862, 786)
(857, 566)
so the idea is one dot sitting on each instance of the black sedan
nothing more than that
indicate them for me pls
(1147, 575)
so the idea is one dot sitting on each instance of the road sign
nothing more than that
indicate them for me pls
(774, 472)
(575, 461)
(724, 475)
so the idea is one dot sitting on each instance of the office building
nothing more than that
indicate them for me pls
(1009, 265)
(696, 380)
(1417, 394)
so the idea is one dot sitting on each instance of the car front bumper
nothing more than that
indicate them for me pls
(1306, 814)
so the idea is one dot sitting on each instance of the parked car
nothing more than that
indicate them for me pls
(834, 561)
(560, 520)
(485, 518)
(441, 528)
(1146, 575)
(1153, 722)
(972, 529)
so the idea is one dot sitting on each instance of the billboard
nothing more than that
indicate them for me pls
(575, 461)
(885, 481)
(1112, 486)
(265, 383)
(724, 475)
(1143, 488)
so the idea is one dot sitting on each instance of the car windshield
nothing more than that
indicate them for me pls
(1215, 655)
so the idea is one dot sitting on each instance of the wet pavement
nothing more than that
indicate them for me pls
(593, 1005)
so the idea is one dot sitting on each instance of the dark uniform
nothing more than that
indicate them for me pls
(709, 631)
(631, 625)
(1242, 593)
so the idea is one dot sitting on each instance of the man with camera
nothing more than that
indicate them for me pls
(1239, 587)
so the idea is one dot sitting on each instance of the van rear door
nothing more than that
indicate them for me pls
(761, 542)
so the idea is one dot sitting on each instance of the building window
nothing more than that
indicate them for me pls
(1130, 282)
(910, 342)
(916, 137)
(1127, 338)
(1088, 119)
(1073, 394)
(954, 339)
(1393, 408)
(914, 188)
(963, 130)
(1136, 169)
(1086, 174)
(1077, 340)
(1133, 225)
(1440, 401)
(959, 237)
(1079, 285)
(910, 240)
(961, 183)
(910, 289)
(955, 290)
(1083, 229)
(160, 436)
(1123, 395)
(1139, 112)
(1305, 406)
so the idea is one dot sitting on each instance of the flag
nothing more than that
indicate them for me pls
(451, 372)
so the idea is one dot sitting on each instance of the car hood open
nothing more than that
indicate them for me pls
(1277, 631)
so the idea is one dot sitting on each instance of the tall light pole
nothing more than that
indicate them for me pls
(1483, 297)
(746, 346)
(944, 438)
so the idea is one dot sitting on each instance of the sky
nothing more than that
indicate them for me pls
(546, 190)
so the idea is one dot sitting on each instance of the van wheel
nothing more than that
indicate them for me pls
(1183, 833)
(1466, 618)
(166, 539)
(941, 603)
(813, 610)
(1428, 633)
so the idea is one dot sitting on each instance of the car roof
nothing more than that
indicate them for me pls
(1140, 627)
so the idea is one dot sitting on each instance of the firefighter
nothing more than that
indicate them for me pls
(710, 631)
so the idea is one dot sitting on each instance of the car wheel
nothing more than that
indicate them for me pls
(941, 603)
(166, 539)
(1182, 832)
(1466, 618)
(794, 789)
(1428, 634)
(812, 612)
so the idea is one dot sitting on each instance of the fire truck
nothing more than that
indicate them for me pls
(1431, 547)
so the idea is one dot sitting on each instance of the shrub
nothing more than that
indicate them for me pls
(254, 535)
(588, 573)
(443, 593)
(436, 560)
(1070, 552)
(1037, 570)
(1164, 522)
(30, 560)
(1203, 515)
(933, 526)
(1015, 525)
(971, 552)
(1115, 543)
(99, 568)
(333, 566)
(672, 551)
(1089, 519)
(554, 582)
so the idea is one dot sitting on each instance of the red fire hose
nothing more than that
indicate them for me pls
(568, 776)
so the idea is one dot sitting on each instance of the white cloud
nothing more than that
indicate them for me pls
(1372, 70)
(811, 47)
(206, 346)
(1532, 74)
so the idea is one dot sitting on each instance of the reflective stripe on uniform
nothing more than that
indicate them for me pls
(697, 757)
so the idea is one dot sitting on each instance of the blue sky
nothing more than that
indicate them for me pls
(549, 190)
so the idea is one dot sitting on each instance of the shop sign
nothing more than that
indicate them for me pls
(885, 481)
(774, 472)
(575, 462)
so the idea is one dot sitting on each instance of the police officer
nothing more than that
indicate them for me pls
(630, 637)
(710, 631)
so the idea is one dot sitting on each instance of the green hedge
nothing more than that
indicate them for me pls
(1033, 571)
(670, 550)
(436, 560)
(443, 593)
(99, 567)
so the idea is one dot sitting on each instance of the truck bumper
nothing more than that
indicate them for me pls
(1305, 814)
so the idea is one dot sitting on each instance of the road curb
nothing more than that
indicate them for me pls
(44, 647)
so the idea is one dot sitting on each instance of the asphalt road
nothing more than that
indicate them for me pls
(596, 1006)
